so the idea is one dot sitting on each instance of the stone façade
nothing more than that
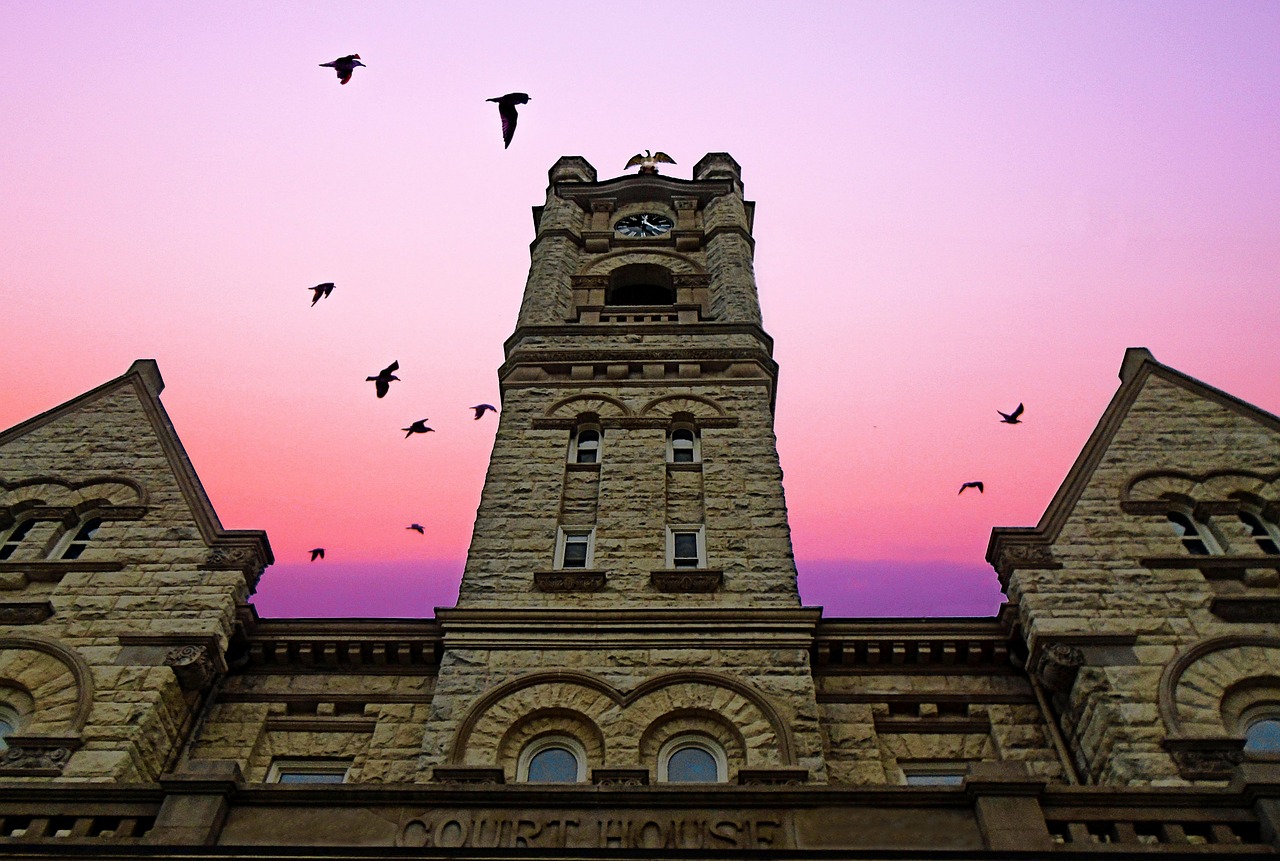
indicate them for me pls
(1101, 711)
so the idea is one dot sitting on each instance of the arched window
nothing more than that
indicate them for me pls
(15, 536)
(1262, 735)
(682, 445)
(553, 759)
(585, 445)
(1196, 537)
(73, 543)
(10, 722)
(1263, 532)
(640, 284)
(691, 759)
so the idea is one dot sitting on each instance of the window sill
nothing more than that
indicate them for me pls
(1215, 566)
(569, 580)
(574, 466)
(687, 466)
(1245, 609)
(686, 580)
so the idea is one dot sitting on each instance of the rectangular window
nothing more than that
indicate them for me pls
(574, 548)
(933, 773)
(685, 547)
(308, 771)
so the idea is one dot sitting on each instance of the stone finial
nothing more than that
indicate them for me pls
(717, 165)
(1133, 359)
(571, 168)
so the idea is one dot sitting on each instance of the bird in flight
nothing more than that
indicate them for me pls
(507, 110)
(481, 409)
(317, 553)
(344, 66)
(649, 163)
(420, 426)
(417, 527)
(1011, 418)
(969, 484)
(322, 291)
(383, 381)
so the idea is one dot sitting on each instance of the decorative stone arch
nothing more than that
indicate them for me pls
(672, 261)
(549, 721)
(693, 721)
(671, 406)
(58, 680)
(1217, 485)
(47, 490)
(601, 405)
(1195, 684)
(622, 717)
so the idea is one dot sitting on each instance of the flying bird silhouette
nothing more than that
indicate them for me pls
(417, 527)
(420, 426)
(482, 408)
(317, 553)
(507, 110)
(383, 381)
(969, 484)
(649, 163)
(1011, 418)
(322, 291)
(344, 66)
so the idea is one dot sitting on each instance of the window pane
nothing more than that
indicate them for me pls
(8, 726)
(938, 779)
(692, 765)
(1263, 736)
(575, 551)
(303, 776)
(553, 765)
(685, 549)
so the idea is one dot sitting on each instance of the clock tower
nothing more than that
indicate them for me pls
(632, 531)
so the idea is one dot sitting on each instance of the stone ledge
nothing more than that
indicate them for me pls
(53, 572)
(1206, 758)
(1213, 567)
(1246, 609)
(24, 612)
(467, 774)
(932, 725)
(772, 776)
(686, 580)
(620, 776)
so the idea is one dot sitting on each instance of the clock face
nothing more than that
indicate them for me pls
(644, 224)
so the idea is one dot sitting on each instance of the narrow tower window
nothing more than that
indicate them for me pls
(586, 446)
(15, 537)
(1195, 536)
(682, 446)
(685, 547)
(574, 548)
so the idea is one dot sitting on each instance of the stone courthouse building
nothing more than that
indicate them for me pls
(629, 672)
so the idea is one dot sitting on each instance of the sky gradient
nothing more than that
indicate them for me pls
(960, 207)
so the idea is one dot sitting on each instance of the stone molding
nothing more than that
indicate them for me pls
(773, 776)
(686, 580)
(578, 580)
(620, 776)
(77, 667)
(193, 666)
(467, 774)
(1024, 555)
(1246, 609)
(46, 571)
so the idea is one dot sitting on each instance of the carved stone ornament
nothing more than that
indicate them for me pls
(620, 776)
(1058, 666)
(1027, 556)
(686, 581)
(34, 758)
(232, 557)
(569, 581)
(192, 665)
(773, 776)
(456, 774)
(1206, 758)
(25, 613)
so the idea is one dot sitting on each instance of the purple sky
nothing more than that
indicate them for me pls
(960, 206)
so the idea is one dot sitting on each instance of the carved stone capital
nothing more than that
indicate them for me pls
(1206, 758)
(192, 665)
(37, 757)
(1058, 666)
(683, 580)
(569, 581)
(1023, 556)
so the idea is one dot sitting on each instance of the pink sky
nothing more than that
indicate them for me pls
(960, 207)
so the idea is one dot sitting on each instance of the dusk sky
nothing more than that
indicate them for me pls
(960, 207)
